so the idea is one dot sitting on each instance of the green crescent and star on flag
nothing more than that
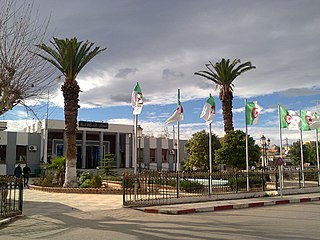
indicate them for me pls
(178, 114)
(209, 110)
(137, 100)
(310, 120)
(289, 119)
(253, 110)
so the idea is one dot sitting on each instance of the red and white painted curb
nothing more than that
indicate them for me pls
(229, 206)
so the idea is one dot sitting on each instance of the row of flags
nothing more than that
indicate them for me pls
(292, 120)
(207, 114)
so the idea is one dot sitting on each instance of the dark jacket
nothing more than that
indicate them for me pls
(18, 171)
(26, 171)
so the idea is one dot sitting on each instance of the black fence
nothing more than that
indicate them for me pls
(11, 196)
(157, 188)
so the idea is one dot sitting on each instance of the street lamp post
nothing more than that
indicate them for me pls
(264, 143)
(139, 136)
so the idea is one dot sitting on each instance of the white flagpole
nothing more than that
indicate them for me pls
(210, 158)
(178, 139)
(178, 147)
(301, 152)
(134, 150)
(280, 132)
(317, 149)
(247, 150)
(281, 155)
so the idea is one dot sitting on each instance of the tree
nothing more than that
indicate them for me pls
(23, 75)
(69, 56)
(198, 151)
(309, 153)
(223, 74)
(233, 150)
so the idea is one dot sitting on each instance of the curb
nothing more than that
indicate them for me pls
(9, 219)
(229, 206)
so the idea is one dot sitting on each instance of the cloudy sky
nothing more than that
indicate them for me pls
(161, 43)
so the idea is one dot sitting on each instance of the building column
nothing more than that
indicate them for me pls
(117, 153)
(101, 147)
(84, 149)
(127, 149)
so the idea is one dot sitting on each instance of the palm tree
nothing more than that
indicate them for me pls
(69, 56)
(223, 74)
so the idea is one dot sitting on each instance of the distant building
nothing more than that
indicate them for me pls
(46, 139)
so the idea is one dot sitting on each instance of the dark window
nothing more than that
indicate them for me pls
(21, 154)
(3, 150)
(152, 155)
(59, 150)
(164, 155)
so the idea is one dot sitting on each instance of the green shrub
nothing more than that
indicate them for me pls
(86, 184)
(96, 181)
(83, 177)
(115, 178)
(240, 182)
(190, 186)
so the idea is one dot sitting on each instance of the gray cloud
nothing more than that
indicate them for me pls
(170, 40)
(124, 72)
(296, 92)
(171, 74)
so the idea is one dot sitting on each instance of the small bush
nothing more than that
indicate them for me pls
(115, 178)
(96, 181)
(83, 177)
(190, 186)
(86, 184)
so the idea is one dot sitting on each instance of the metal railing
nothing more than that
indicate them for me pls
(11, 196)
(159, 188)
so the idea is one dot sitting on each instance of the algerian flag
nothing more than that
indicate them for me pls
(315, 121)
(310, 120)
(289, 119)
(178, 114)
(209, 110)
(253, 110)
(137, 100)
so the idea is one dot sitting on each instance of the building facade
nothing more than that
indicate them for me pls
(46, 140)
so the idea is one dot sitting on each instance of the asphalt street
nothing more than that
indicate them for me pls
(85, 216)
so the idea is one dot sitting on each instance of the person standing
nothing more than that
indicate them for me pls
(18, 171)
(26, 175)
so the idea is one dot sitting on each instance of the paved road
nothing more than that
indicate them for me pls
(76, 216)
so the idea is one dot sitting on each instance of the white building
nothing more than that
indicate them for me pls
(46, 140)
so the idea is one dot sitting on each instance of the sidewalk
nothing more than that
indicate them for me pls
(213, 206)
(47, 203)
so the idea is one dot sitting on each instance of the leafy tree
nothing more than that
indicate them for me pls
(58, 164)
(69, 56)
(23, 75)
(233, 150)
(198, 151)
(309, 153)
(107, 164)
(223, 74)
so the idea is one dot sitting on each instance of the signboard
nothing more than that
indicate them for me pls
(280, 161)
(86, 124)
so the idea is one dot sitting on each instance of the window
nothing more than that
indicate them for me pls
(164, 155)
(152, 155)
(59, 150)
(3, 151)
(21, 154)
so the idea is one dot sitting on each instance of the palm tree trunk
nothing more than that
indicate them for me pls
(227, 111)
(71, 91)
